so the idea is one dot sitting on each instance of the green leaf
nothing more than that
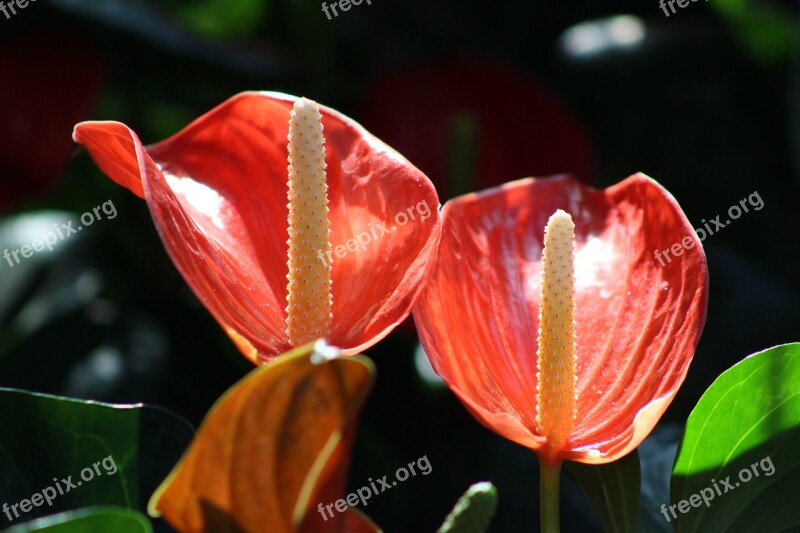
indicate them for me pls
(767, 30)
(613, 490)
(89, 520)
(740, 449)
(462, 154)
(82, 453)
(223, 18)
(473, 512)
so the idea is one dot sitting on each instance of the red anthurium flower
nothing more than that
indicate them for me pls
(218, 192)
(636, 323)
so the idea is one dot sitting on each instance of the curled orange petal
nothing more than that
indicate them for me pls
(272, 448)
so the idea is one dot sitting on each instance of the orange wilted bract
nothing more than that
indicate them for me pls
(217, 192)
(636, 323)
(273, 448)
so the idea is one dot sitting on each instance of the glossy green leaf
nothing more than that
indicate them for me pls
(737, 467)
(613, 490)
(81, 453)
(89, 520)
(474, 510)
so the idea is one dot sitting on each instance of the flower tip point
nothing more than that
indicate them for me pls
(560, 217)
(303, 103)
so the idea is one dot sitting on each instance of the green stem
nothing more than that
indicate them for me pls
(549, 480)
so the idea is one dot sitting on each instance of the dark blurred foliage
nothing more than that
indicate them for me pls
(707, 102)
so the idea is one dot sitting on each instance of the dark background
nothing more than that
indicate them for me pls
(706, 101)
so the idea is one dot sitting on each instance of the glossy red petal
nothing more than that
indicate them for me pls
(232, 286)
(114, 148)
(637, 323)
(218, 194)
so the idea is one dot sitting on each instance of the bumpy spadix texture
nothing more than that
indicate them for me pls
(636, 323)
(309, 288)
(218, 190)
(555, 359)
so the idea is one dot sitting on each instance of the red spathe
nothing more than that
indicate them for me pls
(217, 191)
(637, 323)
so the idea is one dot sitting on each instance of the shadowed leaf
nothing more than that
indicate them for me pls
(740, 449)
(474, 510)
(110, 454)
(613, 490)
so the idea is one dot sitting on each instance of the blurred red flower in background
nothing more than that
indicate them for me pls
(50, 81)
(470, 124)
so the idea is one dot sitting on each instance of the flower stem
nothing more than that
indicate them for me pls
(549, 480)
